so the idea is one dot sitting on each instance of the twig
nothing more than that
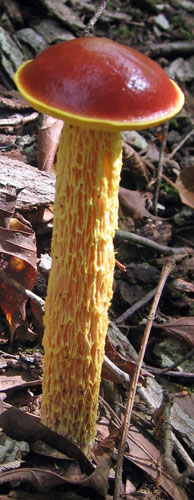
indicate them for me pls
(168, 442)
(94, 19)
(150, 166)
(115, 420)
(160, 166)
(140, 240)
(181, 452)
(169, 157)
(122, 377)
(177, 363)
(152, 405)
(191, 132)
(166, 48)
(140, 303)
(27, 293)
(179, 374)
(118, 476)
(165, 430)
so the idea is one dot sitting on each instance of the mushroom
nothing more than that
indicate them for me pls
(99, 88)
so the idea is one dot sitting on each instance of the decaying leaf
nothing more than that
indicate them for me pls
(145, 455)
(137, 167)
(133, 205)
(185, 186)
(183, 327)
(16, 423)
(17, 262)
(48, 141)
(124, 363)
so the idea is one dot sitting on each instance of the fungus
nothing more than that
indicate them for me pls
(99, 88)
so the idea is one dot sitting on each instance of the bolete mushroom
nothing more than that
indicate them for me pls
(98, 87)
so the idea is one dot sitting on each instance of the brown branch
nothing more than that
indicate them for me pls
(90, 27)
(141, 240)
(151, 167)
(166, 48)
(177, 363)
(27, 293)
(135, 307)
(180, 144)
(118, 476)
(160, 166)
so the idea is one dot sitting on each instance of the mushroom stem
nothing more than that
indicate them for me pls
(80, 282)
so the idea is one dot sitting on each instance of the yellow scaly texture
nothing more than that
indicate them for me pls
(80, 283)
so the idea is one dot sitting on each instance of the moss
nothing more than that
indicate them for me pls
(178, 22)
(122, 33)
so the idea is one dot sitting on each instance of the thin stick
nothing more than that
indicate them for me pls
(118, 476)
(94, 19)
(181, 144)
(5, 278)
(122, 377)
(177, 363)
(135, 307)
(151, 167)
(160, 166)
(141, 240)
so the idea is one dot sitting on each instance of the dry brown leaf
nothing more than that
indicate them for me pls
(21, 426)
(145, 455)
(17, 262)
(48, 141)
(24, 427)
(185, 186)
(133, 205)
(137, 167)
(183, 327)
(124, 363)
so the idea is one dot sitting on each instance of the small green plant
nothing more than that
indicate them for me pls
(123, 33)
(179, 23)
(170, 191)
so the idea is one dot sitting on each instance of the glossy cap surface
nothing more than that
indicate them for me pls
(99, 83)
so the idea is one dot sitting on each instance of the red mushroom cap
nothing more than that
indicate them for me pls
(99, 83)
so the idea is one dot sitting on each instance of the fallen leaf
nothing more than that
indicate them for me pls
(185, 186)
(133, 205)
(145, 455)
(135, 165)
(48, 141)
(24, 427)
(16, 423)
(183, 327)
(124, 363)
(17, 263)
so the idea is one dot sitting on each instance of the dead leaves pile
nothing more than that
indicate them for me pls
(17, 262)
(62, 462)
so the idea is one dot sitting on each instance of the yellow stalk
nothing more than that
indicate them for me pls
(80, 283)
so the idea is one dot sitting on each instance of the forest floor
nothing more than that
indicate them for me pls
(155, 236)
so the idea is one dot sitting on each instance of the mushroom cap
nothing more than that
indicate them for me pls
(99, 83)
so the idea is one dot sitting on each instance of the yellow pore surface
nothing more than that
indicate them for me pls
(80, 283)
